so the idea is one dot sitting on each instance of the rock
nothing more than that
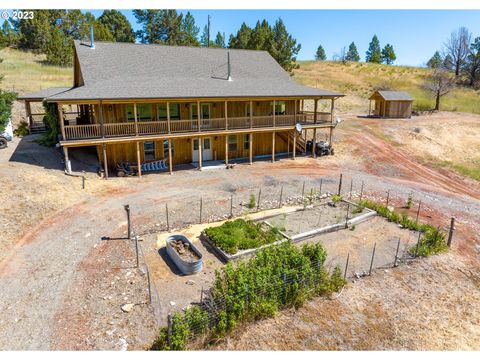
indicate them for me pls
(190, 282)
(172, 303)
(87, 235)
(390, 208)
(127, 307)
(123, 344)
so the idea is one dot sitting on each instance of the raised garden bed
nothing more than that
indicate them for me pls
(184, 254)
(241, 237)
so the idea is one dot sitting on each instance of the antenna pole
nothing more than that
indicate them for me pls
(208, 31)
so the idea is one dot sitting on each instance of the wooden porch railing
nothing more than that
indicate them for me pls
(75, 132)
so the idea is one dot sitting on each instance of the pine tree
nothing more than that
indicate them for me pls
(435, 61)
(320, 54)
(447, 63)
(374, 54)
(204, 38)
(59, 49)
(118, 25)
(284, 47)
(388, 54)
(8, 36)
(189, 31)
(219, 41)
(471, 68)
(241, 39)
(352, 53)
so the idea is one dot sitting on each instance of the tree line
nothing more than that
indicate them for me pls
(460, 55)
(375, 54)
(52, 32)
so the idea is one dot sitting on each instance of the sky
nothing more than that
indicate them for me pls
(414, 34)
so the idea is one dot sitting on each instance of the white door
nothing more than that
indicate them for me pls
(207, 153)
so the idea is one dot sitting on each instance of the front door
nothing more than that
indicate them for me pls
(207, 153)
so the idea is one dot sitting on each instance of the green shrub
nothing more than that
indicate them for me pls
(6, 101)
(432, 242)
(49, 137)
(22, 129)
(252, 203)
(336, 198)
(241, 234)
(277, 277)
(409, 203)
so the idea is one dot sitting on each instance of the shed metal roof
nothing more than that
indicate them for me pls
(392, 95)
(138, 71)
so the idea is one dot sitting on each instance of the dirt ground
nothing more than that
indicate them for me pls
(54, 257)
(426, 305)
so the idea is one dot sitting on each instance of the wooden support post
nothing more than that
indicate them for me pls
(273, 112)
(361, 192)
(135, 114)
(170, 160)
(388, 197)
(251, 114)
(68, 167)
(201, 209)
(105, 164)
(371, 261)
(259, 196)
(250, 148)
(288, 144)
(200, 153)
(169, 128)
(294, 150)
(315, 107)
(226, 115)
(198, 117)
(149, 287)
(226, 149)
(450, 233)
(351, 189)
(139, 163)
(281, 195)
(62, 122)
(273, 146)
(332, 108)
(28, 113)
(295, 113)
(369, 107)
(314, 144)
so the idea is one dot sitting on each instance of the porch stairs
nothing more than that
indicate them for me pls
(301, 146)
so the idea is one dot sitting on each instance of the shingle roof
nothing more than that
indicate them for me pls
(43, 94)
(393, 95)
(136, 71)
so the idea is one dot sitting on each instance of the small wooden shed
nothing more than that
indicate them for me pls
(391, 104)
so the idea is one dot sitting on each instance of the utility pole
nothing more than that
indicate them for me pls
(208, 31)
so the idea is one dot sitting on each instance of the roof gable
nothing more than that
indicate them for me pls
(392, 95)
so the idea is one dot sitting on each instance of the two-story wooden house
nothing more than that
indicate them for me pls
(143, 103)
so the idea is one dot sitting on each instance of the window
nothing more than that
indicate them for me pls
(205, 111)
(165, 148)
(246, 142)
(232, 143)
(149, 150)
(174, 111)
(279, 107)
(144, 112)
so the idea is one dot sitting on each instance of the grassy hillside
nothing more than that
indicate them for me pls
(357, 81)
(26, 72)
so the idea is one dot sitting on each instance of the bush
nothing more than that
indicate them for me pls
(6, 101)
(241, 234)
(49, 137)
(409, 203)
(275, 278)
(336, 198)
(252, 202)
(22, 129)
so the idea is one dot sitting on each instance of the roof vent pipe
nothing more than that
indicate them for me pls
(92, 44)
(229, 78)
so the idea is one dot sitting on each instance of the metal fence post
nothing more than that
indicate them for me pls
(259, 195)
(83, 181)
(351, 189)
(346, 267)
(201, 208)
(281, 194)
(371, 261)
(418, 211)
(346, 217)
(231, 205)
(129, 229)
(418, 243)
(136, 249)
(450, 233)
(166, 211)
(321, 183)
(396, 253)
(361, 192)
(303, 191)
(149, 286)
(388, 197)
(340, 185)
